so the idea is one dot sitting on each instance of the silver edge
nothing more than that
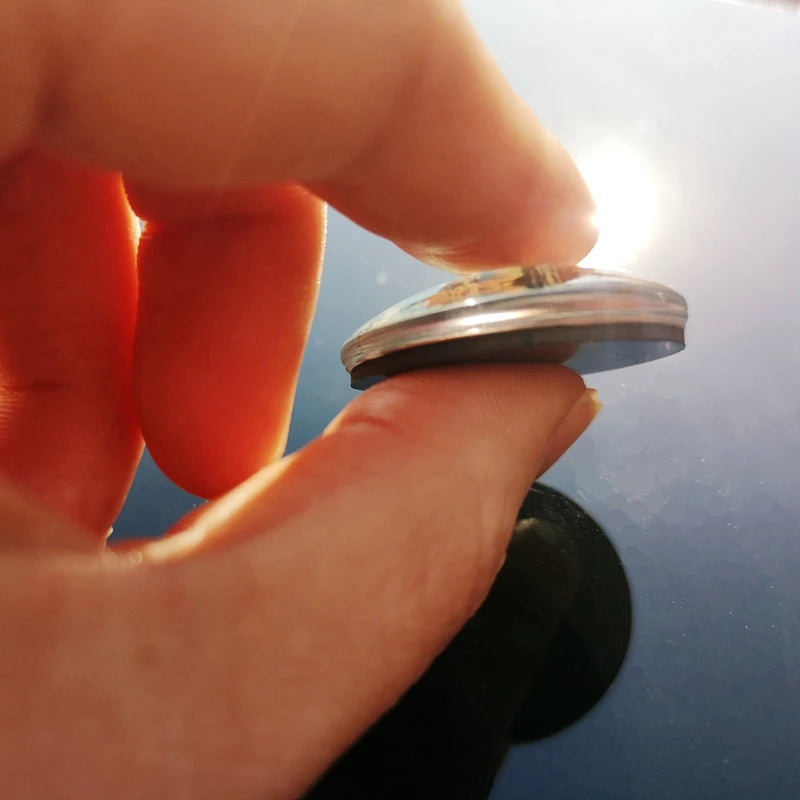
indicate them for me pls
(667, 307)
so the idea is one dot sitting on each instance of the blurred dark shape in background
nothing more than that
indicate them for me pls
(540, 652)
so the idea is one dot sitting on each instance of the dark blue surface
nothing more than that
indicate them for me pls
(693, 467)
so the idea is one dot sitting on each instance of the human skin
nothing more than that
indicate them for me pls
(239, 655)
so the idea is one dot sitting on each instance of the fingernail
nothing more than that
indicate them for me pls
(573, 425)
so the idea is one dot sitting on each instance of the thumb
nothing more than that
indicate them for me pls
(241, 655)
(329, 582)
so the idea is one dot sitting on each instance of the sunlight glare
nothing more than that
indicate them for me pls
(624, 189)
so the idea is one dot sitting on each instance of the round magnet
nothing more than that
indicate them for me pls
(586, 319)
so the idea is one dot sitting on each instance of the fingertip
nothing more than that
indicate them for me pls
(487, 185)
(543, 213)
(228, 285)
(579, 418)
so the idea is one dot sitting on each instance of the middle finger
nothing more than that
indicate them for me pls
(228, 284)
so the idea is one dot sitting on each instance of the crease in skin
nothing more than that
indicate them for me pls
(299, 7)
(27, 525)
(34, 387)
(393, 118)
(83, 33)
(200, 530)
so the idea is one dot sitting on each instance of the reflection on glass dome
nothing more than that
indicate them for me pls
(586, 319)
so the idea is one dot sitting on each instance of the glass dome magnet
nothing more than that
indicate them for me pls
(588, 320)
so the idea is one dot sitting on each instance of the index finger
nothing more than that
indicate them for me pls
(394, 112)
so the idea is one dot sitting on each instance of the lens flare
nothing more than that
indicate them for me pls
(625, 191)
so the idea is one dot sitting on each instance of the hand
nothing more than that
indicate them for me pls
(239, 655)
